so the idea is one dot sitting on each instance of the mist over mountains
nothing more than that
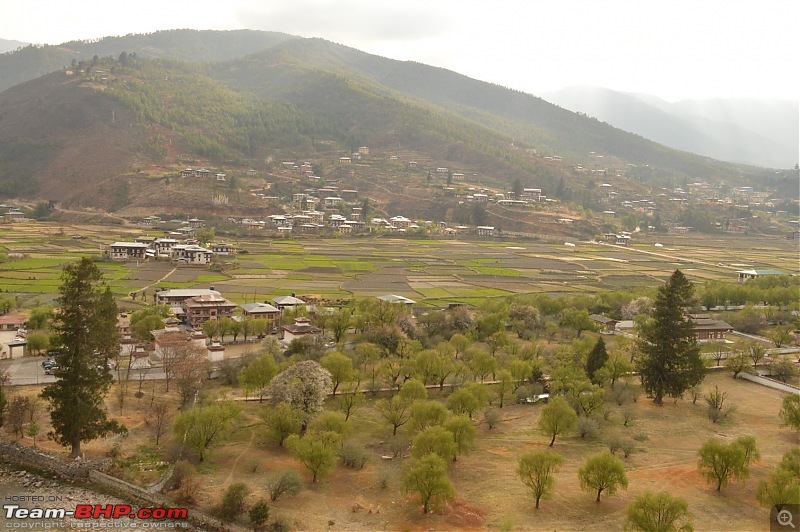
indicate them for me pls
(758, 132)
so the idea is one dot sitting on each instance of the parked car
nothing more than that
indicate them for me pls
(49, 370)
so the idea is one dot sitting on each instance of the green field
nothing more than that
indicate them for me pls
(429, 271)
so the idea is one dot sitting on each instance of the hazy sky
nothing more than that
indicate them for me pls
(674, 49)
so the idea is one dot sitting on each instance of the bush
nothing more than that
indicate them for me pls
(233, 501)
(287, 482)
(259, 514)
(180, 473)
(353, 455)
(628, 415)
(383, 480)
(588, 427)
(492, 418)
(397, 446)
(628, 447)
(614, 443)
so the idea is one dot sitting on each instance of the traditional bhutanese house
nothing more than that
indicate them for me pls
(191, 254)
(260, 311)
(221, 248)
(128, 250)
(299, 329)
(604, 323)
(175, 297)
(485, 230)
(187, 172)
(200, 309)
(163, 246)
(288, 302)
(707, 328)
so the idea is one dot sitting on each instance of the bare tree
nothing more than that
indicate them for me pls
(169, 348)
(189, 368)
(159, 416)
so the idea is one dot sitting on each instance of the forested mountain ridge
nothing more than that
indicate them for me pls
(297, 98)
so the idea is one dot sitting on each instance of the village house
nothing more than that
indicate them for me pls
(291, 302)
(706, 328)
(400, 222)
(187, 172)
(335, 220)
(11, 322)
(261, 311)
(128, 250)
(485, 230)
(221, 248)
(349, 195)
(345, 160)
(196, 223)
(191, 254)
(301, 328)
(332, 202)
(173, 298)
(203, 173)
(363, 150)
(604, 323)
(199, 309)
(163, 246)
(458, 177)
(345, 229)
(151, 220)
(14, 215)
(745, 275)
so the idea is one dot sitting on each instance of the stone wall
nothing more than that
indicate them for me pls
(29, 458)
(91, 472)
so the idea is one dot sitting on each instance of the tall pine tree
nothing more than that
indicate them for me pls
(85, 328)
(669, 357)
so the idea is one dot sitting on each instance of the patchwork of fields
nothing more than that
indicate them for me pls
(432, 272)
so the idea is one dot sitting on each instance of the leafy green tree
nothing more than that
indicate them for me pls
(437, 440)
(397, 410)
(210, 328)
(658, 512)
(330, 421)
(38, 342)
(791, 462)
(536, 470)
(338, 323)
(468, 399)
(350, 401)
(339, 366)
(556, 418)
(481, 363)
(77, 396)
(464, 432)
(615, 367)
(4, 378)
(578, 320)
(781, 335)
(790, 411)
(738, 363)
(719, 462)
(40, 317)
(603, 472)
(256, 376)
(428, 477)
(427, 414)
(598, 356)
(203, 428)
(316, 451)
(780, 489)
(669, 361)
(503, 388)
(783, 369)
(282, 421)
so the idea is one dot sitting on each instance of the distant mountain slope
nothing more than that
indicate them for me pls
(185, 45)
(7, 45)
(267, 97)
(762, 133)
(519, 116)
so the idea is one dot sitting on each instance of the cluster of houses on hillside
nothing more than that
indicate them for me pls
(186, 251)
(706, 328)
(12, 214)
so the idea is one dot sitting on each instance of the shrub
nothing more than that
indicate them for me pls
(287, 482)
(259, 514)
(233, 501)
(628, 415)
(588, 427)
(492, 418)
(353, 455)
(614, 443)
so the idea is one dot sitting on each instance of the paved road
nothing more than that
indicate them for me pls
(28, 371)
